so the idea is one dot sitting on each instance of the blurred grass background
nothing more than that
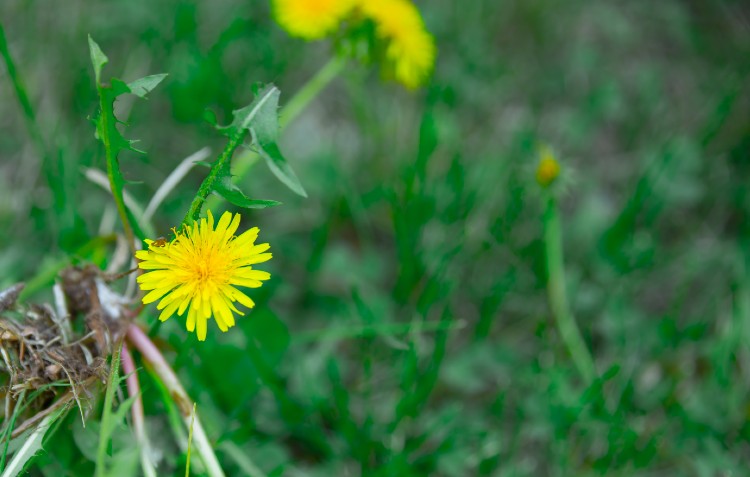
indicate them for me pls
(406, 329)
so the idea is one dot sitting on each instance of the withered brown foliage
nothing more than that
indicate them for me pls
(60, 351)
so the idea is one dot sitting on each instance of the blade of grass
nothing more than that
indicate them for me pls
(107, 424)
(241, 459)
(21, 95)
(32, 445)
(9, 428)
(190, 442)
(172, 180)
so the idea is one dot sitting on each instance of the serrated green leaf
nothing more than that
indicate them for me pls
(277, 163)
(141, 87)
(243, 118)
(118, 87)
(265, 104)
(261, 118)
(98, 59)
(224, 186)
(107, 132)
(257, 87)
(232, 193)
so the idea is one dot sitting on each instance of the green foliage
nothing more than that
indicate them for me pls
(259, 119)
(407, 328)
(108, 133)
(262, 122)
(8, 425)
(190, 442)
(124, 461)
(32, 444)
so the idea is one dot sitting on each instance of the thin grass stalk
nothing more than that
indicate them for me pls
(106, 423)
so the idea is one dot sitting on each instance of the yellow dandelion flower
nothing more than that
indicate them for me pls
(548, 168)
(410, 47)
(311, 19)
(199, 272)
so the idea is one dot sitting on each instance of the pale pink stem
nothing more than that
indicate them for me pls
(151, 353)
(134, 390)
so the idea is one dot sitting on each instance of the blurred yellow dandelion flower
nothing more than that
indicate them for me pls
(410, 47)
(548, 168)
(311, 19)
(199, 272)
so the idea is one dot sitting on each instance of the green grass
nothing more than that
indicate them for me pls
(407, 329)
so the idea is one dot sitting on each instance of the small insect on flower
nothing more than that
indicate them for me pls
(160, 242)
(199, 272)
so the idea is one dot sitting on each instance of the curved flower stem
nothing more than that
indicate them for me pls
(151, 354)
(134, 390)
(566, 324)
(311, 89)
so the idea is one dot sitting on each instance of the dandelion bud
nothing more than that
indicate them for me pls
(548, 168)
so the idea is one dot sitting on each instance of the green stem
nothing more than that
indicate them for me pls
(208, 183)
(311, 89)
(107, 426)
(566, 324)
